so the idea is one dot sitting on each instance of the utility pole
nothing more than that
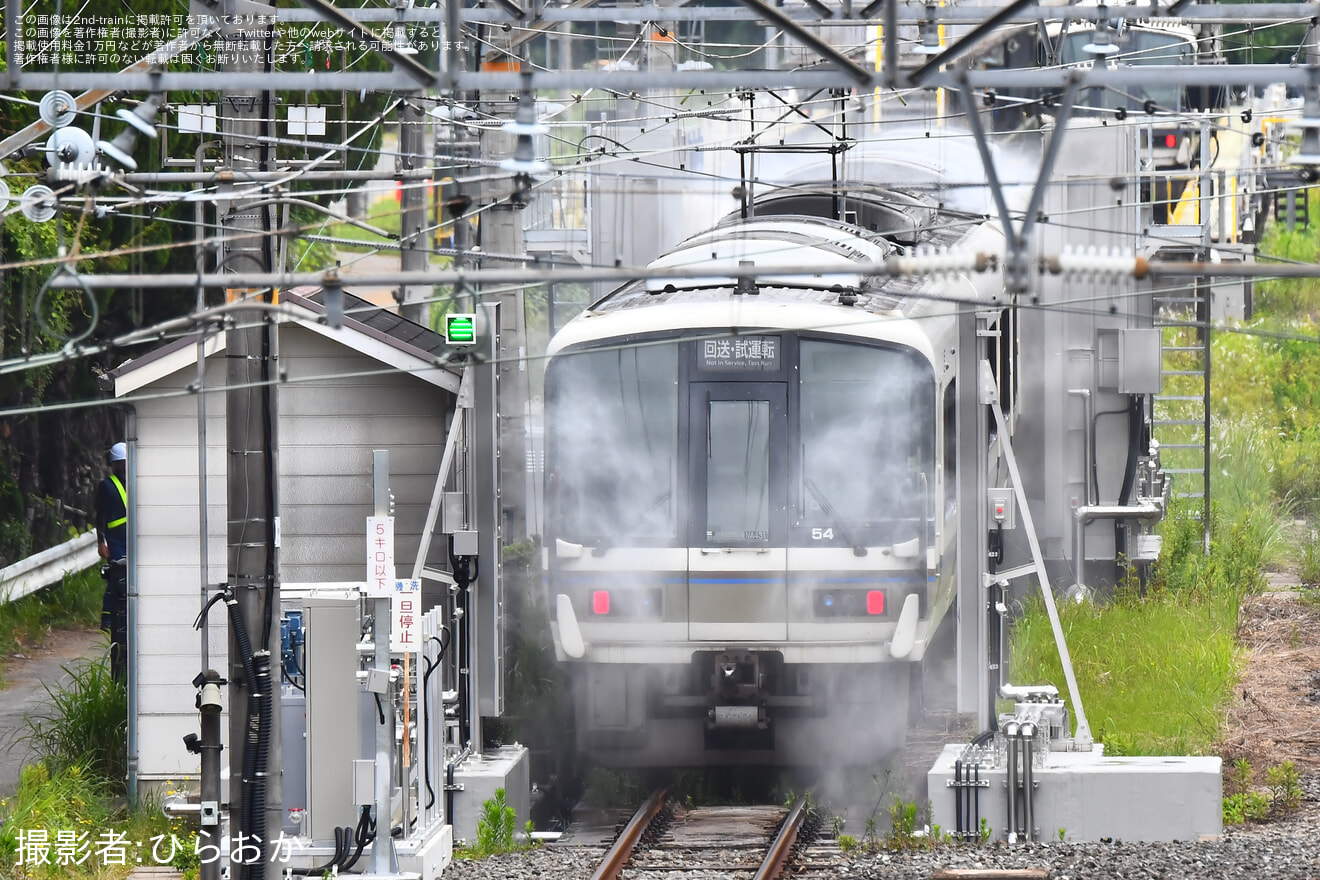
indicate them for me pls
(256, 796)
(502, 235)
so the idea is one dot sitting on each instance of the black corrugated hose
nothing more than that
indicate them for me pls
(249, 768)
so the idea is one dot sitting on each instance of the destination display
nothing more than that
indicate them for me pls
(741, 353)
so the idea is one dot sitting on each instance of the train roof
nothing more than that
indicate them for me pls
(846, 288)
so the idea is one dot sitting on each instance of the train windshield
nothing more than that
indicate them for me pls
(1137, 47)
(614, 421)
(738, 470)
(867, 427)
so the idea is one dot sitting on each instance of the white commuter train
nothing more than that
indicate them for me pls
(750, 484)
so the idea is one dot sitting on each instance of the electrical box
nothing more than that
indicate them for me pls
(1129, 361)
(1139, 355)
(332, 631)
(1003, 508)
(466, 544)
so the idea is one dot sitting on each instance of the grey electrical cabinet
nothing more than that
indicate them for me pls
(332, 708)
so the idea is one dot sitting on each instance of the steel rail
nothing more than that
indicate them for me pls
(776, 858)
(621, 851)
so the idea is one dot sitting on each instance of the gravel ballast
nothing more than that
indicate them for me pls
(1281, 850)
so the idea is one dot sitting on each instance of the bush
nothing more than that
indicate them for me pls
(496, 829)
(1247, 806)
(1285, 788)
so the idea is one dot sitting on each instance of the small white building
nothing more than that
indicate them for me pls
(373, 383)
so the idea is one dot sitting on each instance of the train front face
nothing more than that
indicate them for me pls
(742, 526)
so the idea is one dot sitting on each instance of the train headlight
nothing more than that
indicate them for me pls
(627, 603)
(849, 603)
(875, 602)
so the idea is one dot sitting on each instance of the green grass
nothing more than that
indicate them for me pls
(63, 806)
(383, 214)
(69, 801)
(74, 603)
(1156, 668)
(1155, 671)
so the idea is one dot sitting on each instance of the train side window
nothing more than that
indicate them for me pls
(867, 434)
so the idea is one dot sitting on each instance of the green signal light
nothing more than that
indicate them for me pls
(461, 329)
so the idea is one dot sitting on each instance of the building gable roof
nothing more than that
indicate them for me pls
(367, 329)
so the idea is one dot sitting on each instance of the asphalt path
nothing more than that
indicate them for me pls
(26, 675)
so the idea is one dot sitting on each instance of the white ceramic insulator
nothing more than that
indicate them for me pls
(1097, 261)
(934, 261)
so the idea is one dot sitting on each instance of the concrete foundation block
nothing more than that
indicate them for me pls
(1086, 796)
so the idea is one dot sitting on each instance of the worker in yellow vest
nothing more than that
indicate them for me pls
(112, 543)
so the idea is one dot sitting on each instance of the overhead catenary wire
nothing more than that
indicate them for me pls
(476, 211)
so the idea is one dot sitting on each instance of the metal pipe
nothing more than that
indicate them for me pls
(203, 524)
(1087, 441)
(976, 800)
(858, 74)
(1084, 515)
(179, 810)
(131, 587)
(986, 380)
(361, 35)
(1028, 736)
(503, 275)
(959, 793)
(1010, 733)
(156, 178)
(210, 704)
(891, 43)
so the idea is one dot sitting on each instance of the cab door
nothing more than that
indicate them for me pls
(736, 558)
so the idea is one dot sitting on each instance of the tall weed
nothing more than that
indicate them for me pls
(68, 800)
(85, 723)
(1156, 669)
(1292, 297)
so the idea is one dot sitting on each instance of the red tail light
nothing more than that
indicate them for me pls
(1170, 140)
(600, 602)
(875, 602)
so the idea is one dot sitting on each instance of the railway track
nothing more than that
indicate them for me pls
(662, 839)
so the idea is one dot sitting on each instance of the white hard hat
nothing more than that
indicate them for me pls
(118, 452)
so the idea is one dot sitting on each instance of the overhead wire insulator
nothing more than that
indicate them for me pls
(1096, 261)
(80, 174)
(57, 108)
(939, 261)
(38, 203)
